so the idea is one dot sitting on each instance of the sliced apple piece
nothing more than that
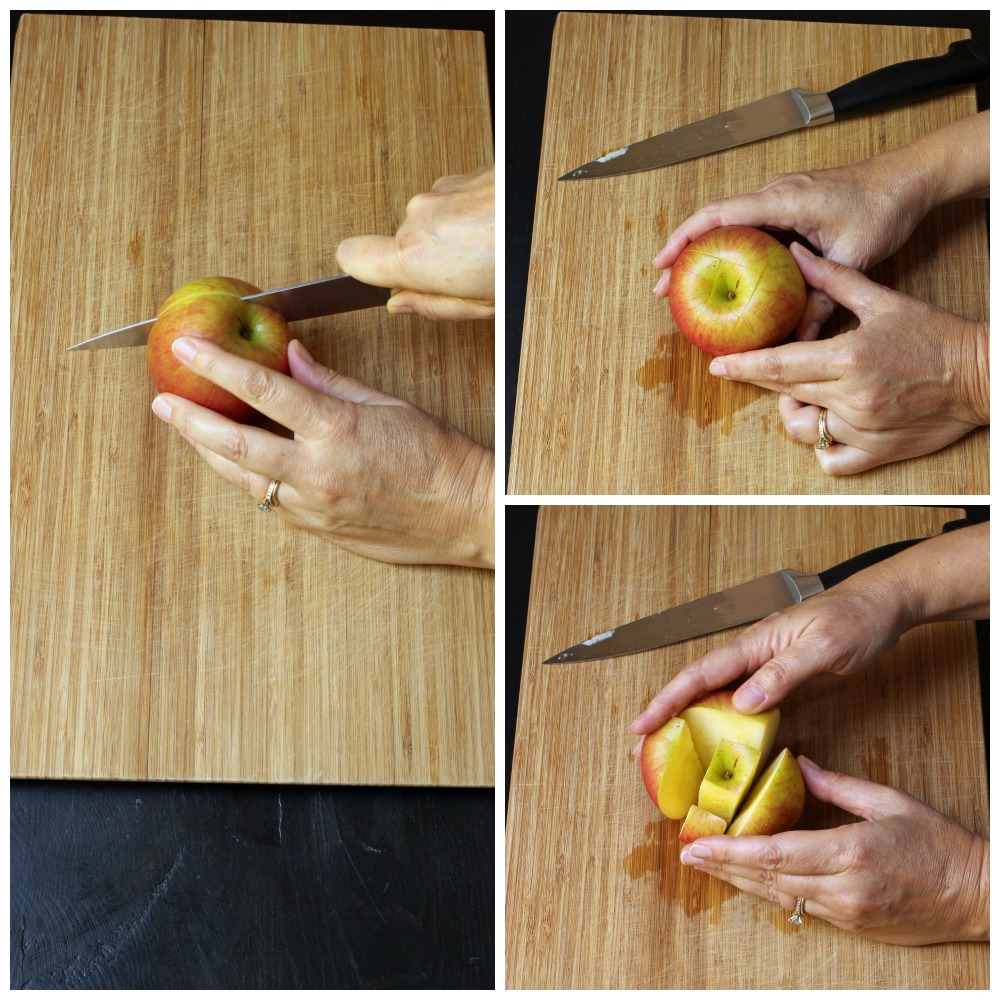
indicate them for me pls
(700, 823)
(776, 802)
(729, 777)
(671, 769)
(713, 718)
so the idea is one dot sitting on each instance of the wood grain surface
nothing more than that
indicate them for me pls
(596, 895)
(611, 400)
(161, 626)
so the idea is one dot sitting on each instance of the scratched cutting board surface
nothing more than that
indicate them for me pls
(611, 399)
(162, 627)
(596, 895)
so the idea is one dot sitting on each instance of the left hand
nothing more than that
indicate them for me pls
(910, 380)
(906, 874)
(370, 472)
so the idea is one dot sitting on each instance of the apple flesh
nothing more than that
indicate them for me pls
(700, 823)
(713, 717)
(213, 309)
(728, 778)
(736, 289)
(671, 769)
(776, 802)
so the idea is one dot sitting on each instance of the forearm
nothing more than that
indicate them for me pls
(946, 165)
(946, 578)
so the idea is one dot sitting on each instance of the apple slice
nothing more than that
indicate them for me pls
(700, 823)
(671, 769)
(728, 778)
(776, 802)
(713, 718)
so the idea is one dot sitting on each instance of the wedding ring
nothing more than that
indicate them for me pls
(271, 500)
(796, 917)
(824, 438)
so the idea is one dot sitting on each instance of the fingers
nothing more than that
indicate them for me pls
(439, 307)
(313, 375)
(846, 456)
(857, 796)
(275, 395)
(819, 308)
(842, 284)
(796, 369)
(372, 259)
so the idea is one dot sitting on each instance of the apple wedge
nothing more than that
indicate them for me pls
(700, 823)
(713, 718)
(729, 777)
(671, 769)
(776, 801)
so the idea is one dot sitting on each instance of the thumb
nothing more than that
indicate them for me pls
(850, 288)
(372, 259)
(857, 796)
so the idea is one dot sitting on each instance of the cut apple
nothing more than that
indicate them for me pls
(700, 823)
(713, 718)
(671, 769)
(729, 777)
(776, 802)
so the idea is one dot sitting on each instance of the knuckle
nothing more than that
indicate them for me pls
(772, 366)
(260, 384)
(772, 859)
(233, 444)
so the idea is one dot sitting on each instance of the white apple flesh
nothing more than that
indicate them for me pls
(776, 801)
(671, 770)
(728, 778)
(713, 717)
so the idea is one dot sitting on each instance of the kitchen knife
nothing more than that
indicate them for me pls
(325, 297)
(739, 605)
(904, 83)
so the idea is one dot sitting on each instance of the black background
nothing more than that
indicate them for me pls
(161, 886)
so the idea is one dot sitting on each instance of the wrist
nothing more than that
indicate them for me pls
(472, 511)
(973, 365)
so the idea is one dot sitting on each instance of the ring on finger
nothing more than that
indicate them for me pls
(800, 909)
(271, 500)
(824, 437)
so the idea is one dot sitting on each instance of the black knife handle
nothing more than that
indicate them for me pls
(840, 572)
(965, 62)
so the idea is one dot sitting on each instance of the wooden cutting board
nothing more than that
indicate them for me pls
(161, 626)
(611, 400)
(596, 895)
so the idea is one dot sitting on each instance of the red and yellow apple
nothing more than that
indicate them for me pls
(736, 289)
(776, 802)
(213, 309)
(701, 765)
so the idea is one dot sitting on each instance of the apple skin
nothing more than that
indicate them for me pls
(671, 770)
(212, 308)
(700, 823)
(713, 717)
(736, 289)
(775, 803)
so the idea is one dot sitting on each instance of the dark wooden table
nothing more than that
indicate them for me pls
(183, 886)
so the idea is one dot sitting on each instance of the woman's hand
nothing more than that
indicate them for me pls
(372, 473)
(906, 874)
(911, 379)
(774, 656)
(442, 256)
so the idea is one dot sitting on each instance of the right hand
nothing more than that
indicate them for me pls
(855, 215)
(839, 632)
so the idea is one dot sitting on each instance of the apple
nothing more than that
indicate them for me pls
(736, 289)
(713, 717)
(700, 823)
(728, 778)
(776, 801)
(213, 308)
(671, 769)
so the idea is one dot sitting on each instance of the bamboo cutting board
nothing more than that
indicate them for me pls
(596, 895)
(162, 628)
(611, 400)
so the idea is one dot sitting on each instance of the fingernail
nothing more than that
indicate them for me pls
(749, 697)
(184, 349)
(161, 408)
(696, 854)
(395, 310)
(797, 247)
(717, 368)
(303, 353)
(808, 764)
(661, 284)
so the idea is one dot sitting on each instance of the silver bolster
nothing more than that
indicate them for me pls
(816, 108)
(801, 586)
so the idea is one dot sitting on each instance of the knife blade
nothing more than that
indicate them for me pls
(739, 605)
(893, 86)
(325, 297)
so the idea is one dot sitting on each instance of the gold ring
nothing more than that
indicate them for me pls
(271, 500)
(824, 438)
(796, 917)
